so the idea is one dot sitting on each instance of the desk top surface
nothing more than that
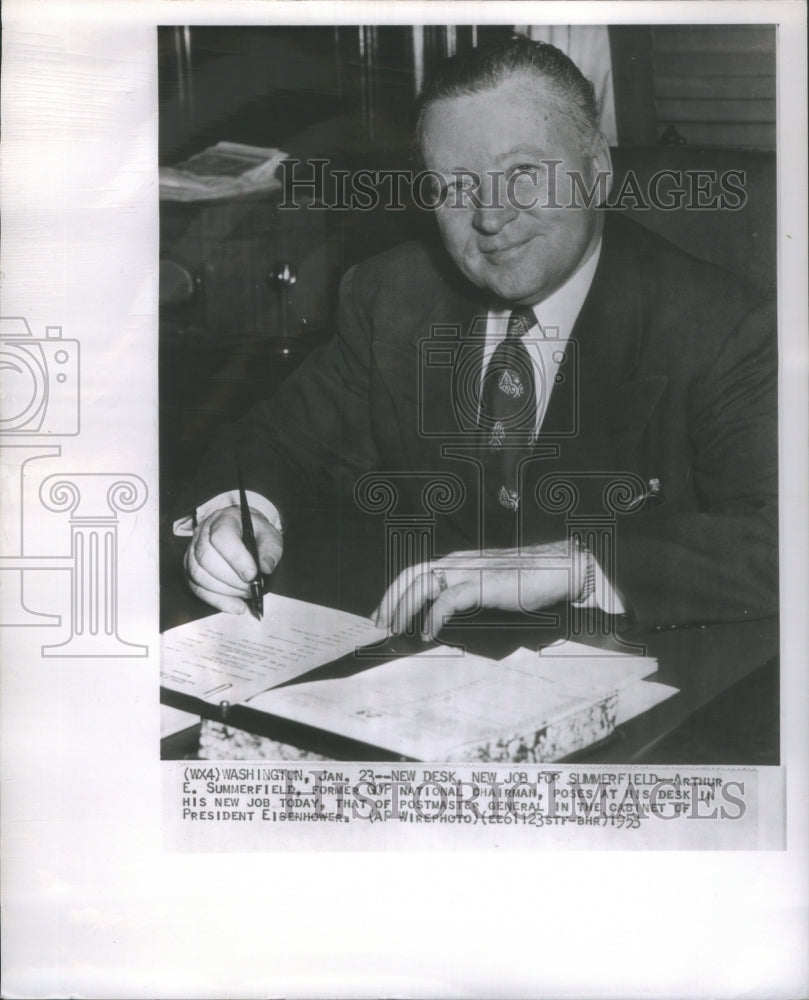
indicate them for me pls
(701, 661)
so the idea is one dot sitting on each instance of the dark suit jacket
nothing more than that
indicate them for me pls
(670, 374)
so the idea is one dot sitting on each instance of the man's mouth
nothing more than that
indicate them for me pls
(504, 251)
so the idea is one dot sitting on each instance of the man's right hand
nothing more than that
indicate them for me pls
(219, 567)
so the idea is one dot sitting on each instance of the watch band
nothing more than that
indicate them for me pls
(587, 573)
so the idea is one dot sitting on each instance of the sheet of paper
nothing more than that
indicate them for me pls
(567, 647)
(233, 657)
(639, 696)
(585, 668)
(430, 708)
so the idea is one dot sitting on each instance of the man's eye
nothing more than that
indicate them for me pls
(523, 169)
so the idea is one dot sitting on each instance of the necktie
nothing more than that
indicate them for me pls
(508, 413)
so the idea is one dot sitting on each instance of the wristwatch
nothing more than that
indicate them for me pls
(588, 565)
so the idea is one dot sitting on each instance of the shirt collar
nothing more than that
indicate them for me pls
(561, 309)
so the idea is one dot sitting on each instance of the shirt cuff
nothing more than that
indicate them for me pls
(184, 526)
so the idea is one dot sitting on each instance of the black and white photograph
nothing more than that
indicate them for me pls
(403, 421)
(487, 339)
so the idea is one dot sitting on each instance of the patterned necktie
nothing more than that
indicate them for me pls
(508, 413)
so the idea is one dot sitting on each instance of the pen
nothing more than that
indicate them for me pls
(256, 600)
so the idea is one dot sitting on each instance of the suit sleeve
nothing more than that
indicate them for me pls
(720, 561)
(313, 434)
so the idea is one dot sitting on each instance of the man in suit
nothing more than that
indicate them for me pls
(551, 363)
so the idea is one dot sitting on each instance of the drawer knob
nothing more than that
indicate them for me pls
(282, 276)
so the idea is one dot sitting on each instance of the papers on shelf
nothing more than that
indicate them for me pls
(225, 170)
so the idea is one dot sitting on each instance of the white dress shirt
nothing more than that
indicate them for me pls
(556, 317)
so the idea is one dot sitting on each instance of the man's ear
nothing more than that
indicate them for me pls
(602, 164)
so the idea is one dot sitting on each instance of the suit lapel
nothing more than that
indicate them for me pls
(598, 390)
(422, 374)
(600, 409)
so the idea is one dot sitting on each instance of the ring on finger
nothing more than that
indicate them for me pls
(440, 578)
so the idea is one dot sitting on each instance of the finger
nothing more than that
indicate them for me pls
(200, 576)
(232, 605)
(422, 589)
(225, 537)
(211, 562)
(384, 612)
(461, 597)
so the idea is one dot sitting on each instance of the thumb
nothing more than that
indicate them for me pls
(270, 543)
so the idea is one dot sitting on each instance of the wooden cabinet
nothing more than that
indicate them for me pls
(221, 267)
(246, 291)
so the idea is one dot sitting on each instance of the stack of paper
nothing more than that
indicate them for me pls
(226, 170)
(527, 707)
(441, 705)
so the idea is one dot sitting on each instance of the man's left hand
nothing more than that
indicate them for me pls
(525, 579)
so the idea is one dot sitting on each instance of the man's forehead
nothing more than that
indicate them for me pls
(520, 112)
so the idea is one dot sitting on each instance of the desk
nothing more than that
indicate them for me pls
(703, 662)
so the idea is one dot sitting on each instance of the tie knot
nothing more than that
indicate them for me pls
(521, 321)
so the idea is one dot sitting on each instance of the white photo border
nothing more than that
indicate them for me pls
(94, 903)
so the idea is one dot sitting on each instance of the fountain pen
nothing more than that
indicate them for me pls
(255, 601)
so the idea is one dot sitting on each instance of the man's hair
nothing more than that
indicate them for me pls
(486, 68)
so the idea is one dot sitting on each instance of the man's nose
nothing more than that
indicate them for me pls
(491, 215)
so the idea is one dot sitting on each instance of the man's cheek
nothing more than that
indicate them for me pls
(450, 232)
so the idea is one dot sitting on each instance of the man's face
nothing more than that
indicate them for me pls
(505, 136)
